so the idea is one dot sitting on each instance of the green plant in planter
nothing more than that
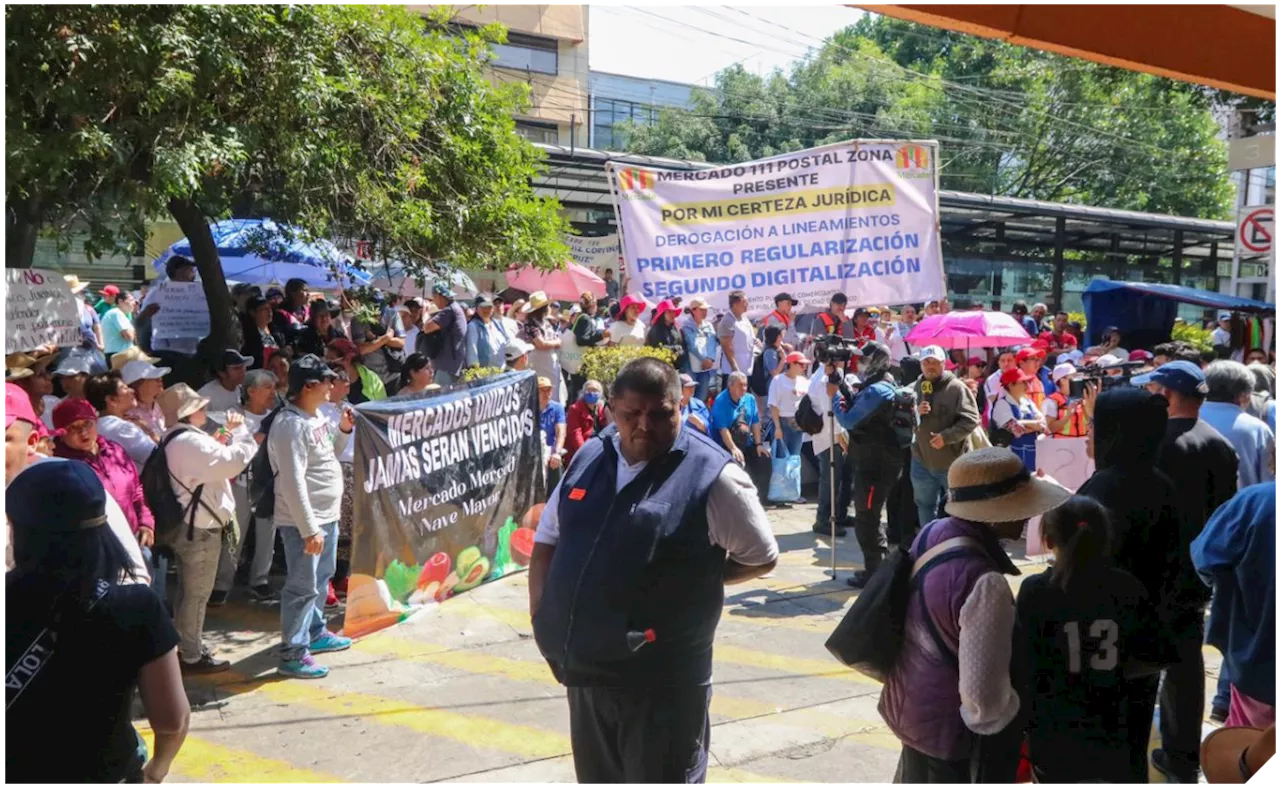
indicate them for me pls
(476, 373)
(1199, 337)
(604, 363)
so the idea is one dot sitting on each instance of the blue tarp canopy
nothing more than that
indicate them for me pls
(1144, 311)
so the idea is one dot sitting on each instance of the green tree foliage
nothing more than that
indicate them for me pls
(1010, 120)
(347, 121)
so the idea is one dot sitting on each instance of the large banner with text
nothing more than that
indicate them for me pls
(858, 217)
(444, 499)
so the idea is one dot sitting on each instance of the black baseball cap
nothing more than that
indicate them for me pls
(233, 358)
(308, 369)
(483, 300)
(255, 303)
(780, 297)
(57, 495)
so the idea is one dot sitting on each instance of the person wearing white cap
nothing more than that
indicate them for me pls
(517, 353)
(1220, 337)
(1065, 417)
(948, 413)
(702, 346)
(147, 382)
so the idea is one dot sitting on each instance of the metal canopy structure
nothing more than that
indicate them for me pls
(971, 223)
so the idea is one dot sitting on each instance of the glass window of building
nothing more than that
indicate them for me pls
(546, 133)
(528, 53)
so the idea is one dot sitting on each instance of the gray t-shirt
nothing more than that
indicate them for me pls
(742, 335)
(303, 453)
(381, 360)
(452, 356)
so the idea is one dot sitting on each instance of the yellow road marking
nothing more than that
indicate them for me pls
(825, 668)
(469, 729)
(205, 762)
(719, 774)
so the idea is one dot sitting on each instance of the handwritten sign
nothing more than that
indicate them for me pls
(184, 312)
(39, 309)
(595, 253)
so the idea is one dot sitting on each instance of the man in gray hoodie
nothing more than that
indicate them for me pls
(303, 449)
(948, 413)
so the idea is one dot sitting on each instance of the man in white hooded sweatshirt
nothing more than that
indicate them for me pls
(303, 449)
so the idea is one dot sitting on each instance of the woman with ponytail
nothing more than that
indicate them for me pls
(1088, 629)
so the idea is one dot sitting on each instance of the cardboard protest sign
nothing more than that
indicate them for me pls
(39, 309)
(184, 312)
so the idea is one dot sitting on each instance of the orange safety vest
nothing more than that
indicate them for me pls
(1074, 428)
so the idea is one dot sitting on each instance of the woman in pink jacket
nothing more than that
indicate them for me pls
(75, 424)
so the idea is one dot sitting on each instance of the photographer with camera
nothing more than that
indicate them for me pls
(832, 355)
(1064, 414)
(880, 420)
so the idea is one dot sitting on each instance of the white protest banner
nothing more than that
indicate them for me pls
(184, 312)
(858, 217)
(595, 253)
(39, 309)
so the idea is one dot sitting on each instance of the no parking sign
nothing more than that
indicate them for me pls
(1255, 230)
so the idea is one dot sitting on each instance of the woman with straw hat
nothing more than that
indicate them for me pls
(539, 331)
(950, 697)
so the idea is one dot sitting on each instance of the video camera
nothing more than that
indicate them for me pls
(1106, 378)
(834, 349)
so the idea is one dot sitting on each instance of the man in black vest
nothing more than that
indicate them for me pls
(626, 583)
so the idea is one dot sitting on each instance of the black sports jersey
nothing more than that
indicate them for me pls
(1079, 643)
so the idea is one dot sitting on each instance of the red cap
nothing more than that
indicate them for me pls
(1028, 353)
(1140, 355)
(950, 365)
(17, 406)
(796, 357)
(1014, 375)
(345, 347)
(111, 290)
(977, 361)
(69, 411)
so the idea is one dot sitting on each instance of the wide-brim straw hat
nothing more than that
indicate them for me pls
(537, 300)
(131, 353)
(993, 486)
(1223, 751)
(75, 284)
(179, 401)
(23, 365)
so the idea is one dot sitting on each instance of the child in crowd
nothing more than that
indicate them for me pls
(1088, 628)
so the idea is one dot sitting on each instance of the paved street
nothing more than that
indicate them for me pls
(460, 693)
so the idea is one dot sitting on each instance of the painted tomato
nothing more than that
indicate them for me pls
(435, 570)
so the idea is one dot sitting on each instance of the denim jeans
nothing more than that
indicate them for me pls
(791, 437)
(305, 588)
(1222, 697)
(158, 566)
(844, 486)
(703, 381)
(930, 488)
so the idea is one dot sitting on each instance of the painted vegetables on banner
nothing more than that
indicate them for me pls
(858, 217)
(445, 492)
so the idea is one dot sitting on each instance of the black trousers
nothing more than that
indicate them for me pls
(992, 760)
(1182, 704)
(641, 735)
(759, 469)
(873, 478)
(575, 383)
(1141, 703)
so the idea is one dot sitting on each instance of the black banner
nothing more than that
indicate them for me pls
(445, 488)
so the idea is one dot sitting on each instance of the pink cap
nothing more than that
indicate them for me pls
(796, 358)
(17, 405)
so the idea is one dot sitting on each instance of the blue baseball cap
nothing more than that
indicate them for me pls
(56, 495)
(1180, 376)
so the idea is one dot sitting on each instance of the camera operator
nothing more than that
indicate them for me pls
(1063, 413)
(875, 450)
(823, 449)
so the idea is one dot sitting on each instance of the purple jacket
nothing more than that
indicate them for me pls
(118, 475)
(921, 700)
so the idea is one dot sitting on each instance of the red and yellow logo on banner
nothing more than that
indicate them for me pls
(630, 180)
(912, 157)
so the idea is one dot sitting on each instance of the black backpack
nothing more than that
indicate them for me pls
(262, 481)
(807, 419)
(157, 489)
(869, 637)
(903, 420)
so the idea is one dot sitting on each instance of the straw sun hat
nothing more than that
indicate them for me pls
(993, 486)
(179, 401)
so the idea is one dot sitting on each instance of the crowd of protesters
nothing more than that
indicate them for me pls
(1173, 522)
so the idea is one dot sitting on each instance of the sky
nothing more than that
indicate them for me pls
(690, 44)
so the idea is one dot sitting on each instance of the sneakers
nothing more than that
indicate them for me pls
(859, 579)
(330, 642)
(1173, 771)
(823, 529)
(304, 668)
(331, 601)
(263, 593)
(1218, 714)
(205, 665)
(218, 598)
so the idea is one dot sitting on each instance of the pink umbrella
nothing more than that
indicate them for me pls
(968, 330)
(567, 284)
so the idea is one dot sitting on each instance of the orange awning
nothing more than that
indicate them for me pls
(1217, 45)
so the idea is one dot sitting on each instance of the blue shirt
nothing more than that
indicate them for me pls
(697, 408)
(724, 412)
(552, 415)
(1029, 325)
(113, 322)
(1253, 440)
(870, 400)
(1236, 554)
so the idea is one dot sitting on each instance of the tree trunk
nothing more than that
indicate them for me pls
(224, 328)
(22, 222)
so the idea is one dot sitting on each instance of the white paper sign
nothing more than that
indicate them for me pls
(1066, 461)
(39, 309)
(595, 253)
(858, 217)
(184, 312)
